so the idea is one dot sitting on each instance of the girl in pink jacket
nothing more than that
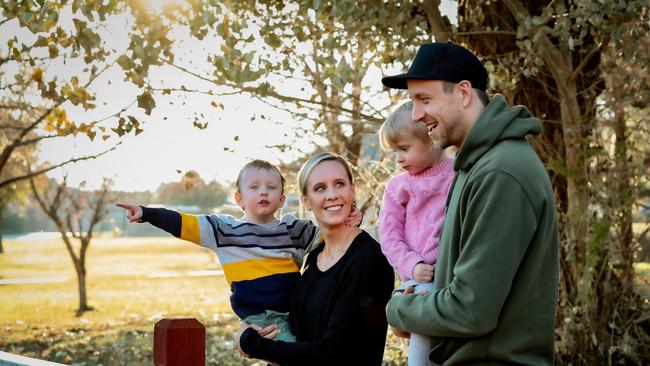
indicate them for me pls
(413, 208)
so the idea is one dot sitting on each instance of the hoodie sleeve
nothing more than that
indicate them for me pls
(490, 255)
(194, 228)
(392, 227)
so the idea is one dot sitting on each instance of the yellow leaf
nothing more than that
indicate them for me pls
(37, 76)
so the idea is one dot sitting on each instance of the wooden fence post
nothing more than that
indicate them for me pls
(179, 342)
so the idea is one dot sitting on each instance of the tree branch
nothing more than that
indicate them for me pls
(31, 174)
(441, 31)
(594, 50)
(6, 152)
(276, 95)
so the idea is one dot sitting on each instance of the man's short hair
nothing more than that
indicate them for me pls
(448, 88)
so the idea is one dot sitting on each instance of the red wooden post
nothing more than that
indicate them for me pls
(179, 342)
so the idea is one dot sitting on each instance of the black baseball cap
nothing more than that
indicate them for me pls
(442, 61)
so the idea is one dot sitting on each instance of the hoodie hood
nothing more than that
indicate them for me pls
(498, 122)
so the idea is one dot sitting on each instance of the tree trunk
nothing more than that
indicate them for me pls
(624, 193)
(577, 218)
(2, 209)
(81, 283)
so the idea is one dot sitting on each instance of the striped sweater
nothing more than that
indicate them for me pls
(260, 262)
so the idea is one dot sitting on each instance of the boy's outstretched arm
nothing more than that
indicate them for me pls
(169, 220)
(133, 212)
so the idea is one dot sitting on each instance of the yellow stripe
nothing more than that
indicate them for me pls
(190, 229)
(256, 268)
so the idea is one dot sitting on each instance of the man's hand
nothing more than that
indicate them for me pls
(398, 332)
(423, 272)
(133, 212)
(355, 217)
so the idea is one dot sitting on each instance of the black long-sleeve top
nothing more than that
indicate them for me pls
(338, 315)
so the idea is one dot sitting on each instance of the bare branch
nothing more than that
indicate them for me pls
(6, 152)
(276, 95)
(594, 50)
(35, 140)
(491, 32)
(31, 174)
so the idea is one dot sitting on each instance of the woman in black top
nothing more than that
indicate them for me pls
(337, 309)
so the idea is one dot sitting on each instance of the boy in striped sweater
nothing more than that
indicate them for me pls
(261, 256)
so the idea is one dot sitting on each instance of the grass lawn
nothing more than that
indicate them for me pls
(132, 283)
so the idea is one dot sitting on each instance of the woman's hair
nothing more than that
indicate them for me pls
(399, 124)
(259, 164)
(310, 164)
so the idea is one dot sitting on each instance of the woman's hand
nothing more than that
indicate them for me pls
(133, 212)
(242, 327)
(268, 332)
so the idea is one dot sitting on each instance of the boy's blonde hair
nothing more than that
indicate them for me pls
(259, 164)
(310, 164)
(399, 124)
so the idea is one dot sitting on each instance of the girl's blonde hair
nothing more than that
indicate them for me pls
(399, 124)
(310, 164)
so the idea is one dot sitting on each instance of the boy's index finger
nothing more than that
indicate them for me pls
(124, 206)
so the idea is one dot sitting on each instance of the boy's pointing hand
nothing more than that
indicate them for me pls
(133, 212)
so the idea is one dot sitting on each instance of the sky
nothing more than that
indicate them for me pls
(169, 145)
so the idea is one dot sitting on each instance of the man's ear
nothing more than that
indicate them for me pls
(466, 92)
(282, 199)
(240, 200)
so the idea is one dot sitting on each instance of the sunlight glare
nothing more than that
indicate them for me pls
(159, 6)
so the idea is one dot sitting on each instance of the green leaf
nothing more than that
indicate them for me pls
(41, 42)
(125, 62)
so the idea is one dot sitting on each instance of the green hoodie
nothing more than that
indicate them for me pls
(496, 279)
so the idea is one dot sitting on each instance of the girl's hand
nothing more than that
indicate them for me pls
(133, 212)
(423, 272)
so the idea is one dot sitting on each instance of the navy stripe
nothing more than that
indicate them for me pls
(301, 232)
(162, 218)
(311, 238)
(265, 293)
(273, 235)
(242, 224)
(252, 224)
(294, 223)
(214, 231)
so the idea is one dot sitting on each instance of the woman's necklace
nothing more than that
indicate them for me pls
(332, 254)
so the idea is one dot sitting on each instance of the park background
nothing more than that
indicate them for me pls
(161, 102)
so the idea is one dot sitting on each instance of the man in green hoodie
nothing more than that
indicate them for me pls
(496, 277)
